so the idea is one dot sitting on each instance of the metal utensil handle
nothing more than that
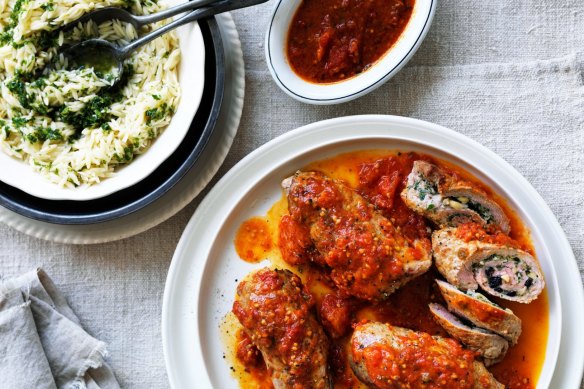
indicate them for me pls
(217, 8)
(170, 12)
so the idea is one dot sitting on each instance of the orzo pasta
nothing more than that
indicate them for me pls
(70, 125)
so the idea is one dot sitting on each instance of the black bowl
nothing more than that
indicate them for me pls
(160, 181)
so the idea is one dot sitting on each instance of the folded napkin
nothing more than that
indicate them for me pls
(42, 344)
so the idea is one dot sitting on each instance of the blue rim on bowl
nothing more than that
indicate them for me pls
(333, 93)
(159, 182)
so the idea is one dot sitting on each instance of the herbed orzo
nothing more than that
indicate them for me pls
(69, 124)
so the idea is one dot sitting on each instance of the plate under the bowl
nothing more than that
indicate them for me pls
(157, 183)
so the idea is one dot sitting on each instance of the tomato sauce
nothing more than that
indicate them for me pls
(476, 232)
(437, 365)
(332, 40)
(253, 241)
(380, 176)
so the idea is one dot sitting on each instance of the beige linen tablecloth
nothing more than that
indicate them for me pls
(508, 74)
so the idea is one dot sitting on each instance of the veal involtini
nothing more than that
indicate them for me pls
(490, 346)
(386, 356)
(469, 257)
(481, 312)
(368, 257)
(447, 200)
(277, 314)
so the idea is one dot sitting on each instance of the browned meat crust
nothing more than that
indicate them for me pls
(477, 309)
(276, 312)
(499, 269)
(449, 201)
(367, 256)
(490, 346)
(384, 356)
(484, 379)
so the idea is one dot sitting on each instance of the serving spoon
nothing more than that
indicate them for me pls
(106, 57)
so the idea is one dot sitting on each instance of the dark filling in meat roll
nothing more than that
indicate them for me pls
(468, 257)
(490, 346)
(509, 274)
(448, 200)
(478, 310)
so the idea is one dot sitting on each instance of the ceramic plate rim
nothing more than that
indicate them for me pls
(191, 80)
(178, 309)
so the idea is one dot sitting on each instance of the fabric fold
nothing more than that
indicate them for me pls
(42, 343)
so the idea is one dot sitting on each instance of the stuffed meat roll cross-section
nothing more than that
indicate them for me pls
(384, 356)
(367, 256)
(490, 346)
(468, 257)
(481, 312)
(276, 312)
(448, 200)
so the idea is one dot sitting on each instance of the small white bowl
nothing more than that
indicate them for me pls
(191, 74)
(339, 92)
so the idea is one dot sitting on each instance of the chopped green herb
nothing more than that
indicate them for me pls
(159, 113)
(5, 37)
(50, 6)
(31, 138)
(44, 133)
(8, 33)
(94, 114)
(18, 88)
(128, 153)
(483, 211)
(20, 121)
(424, 188)
(46, 39)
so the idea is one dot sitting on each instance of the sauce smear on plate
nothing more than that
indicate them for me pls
(332, 40)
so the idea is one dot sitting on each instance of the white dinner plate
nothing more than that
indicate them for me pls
(191, 76)
(201, 283)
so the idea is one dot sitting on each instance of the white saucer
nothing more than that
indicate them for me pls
(183, 192)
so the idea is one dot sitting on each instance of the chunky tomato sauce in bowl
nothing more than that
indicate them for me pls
(332, 51)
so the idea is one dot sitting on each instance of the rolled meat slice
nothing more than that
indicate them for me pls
(490, 346)
(276, 312)
(468, 258)
(366, 255)
(448, 200)
(384, 356)
(481, 312)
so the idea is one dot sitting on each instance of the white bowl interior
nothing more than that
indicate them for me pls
(381, 71)
(191, 77)
(202, 280)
